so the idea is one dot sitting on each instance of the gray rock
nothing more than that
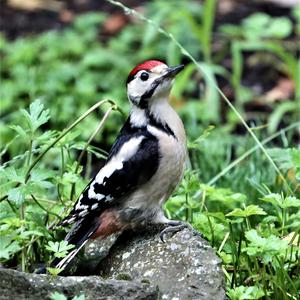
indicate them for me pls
(23, 286)
(185, 267)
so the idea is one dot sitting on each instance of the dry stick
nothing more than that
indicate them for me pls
(128, 10)
(99, 127)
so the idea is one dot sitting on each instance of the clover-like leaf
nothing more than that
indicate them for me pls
(265, 248)
(247, 211)
(60, 249)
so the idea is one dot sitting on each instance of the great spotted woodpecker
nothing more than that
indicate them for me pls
(144, 165)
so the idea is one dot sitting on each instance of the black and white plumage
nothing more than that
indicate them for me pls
(144, 165)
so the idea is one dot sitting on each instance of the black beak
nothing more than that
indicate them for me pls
(173, 71)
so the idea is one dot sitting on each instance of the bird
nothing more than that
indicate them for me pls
(144, 166)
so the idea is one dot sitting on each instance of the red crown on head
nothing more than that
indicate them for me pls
(146, 65)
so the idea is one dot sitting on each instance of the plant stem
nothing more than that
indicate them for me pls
(23, 254)
(43, 208)
(99, 127)
(66, 131)
(208, 21)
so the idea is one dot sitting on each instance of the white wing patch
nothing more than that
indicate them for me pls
(79, 205)
(116, 163)
(127, 151)
(107, 170)
(94, 206)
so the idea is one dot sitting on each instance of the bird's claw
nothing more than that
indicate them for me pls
(174, 226)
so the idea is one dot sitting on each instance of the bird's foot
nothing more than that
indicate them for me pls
(175, 226)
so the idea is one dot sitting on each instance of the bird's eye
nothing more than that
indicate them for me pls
(144, 76)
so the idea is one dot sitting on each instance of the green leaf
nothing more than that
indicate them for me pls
(37, 116)
(41, 174)
(282, 157)
(278, 200)
(273, 198)
(8, 247)
(224, 195)
(295, 159)
(31, 233)
(247, 211)
(261, 25)
(245, 293)
(279, 28)
(265, 248)
(291, 201)
(19, 130)
(17, 195)
(60, 249)
(81, 297)
(14, 175)
(218, 215)
(56, 295)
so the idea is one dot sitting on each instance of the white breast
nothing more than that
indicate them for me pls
(171, 166)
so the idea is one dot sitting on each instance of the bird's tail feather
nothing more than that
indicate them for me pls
(63, 263)
(80, 233)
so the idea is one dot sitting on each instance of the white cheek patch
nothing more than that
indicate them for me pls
(136, 88)
(163, 89)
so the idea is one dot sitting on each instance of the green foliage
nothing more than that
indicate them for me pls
(59, 296)
(36, 194)
(54, 271)
(251, 27)
(248, 211)
(245, 292)
(260, 32)
(267, 249)
(8, 247)
(258, 243)
(230, 192)
(60, 249)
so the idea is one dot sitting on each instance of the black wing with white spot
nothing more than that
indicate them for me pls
(131, 163)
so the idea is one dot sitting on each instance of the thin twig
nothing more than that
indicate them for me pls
(45, 209)
(99, 127)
